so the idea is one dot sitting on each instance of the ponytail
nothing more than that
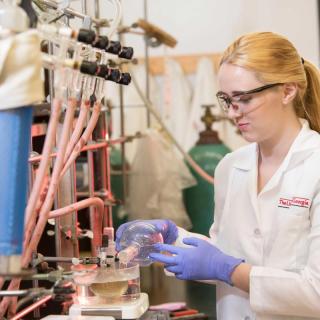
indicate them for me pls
(311, 99)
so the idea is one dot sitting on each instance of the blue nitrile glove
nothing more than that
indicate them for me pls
(167, 228)
(201, 261)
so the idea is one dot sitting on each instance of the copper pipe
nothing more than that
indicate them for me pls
(85, 106)
(47, 203)
(96, 219)
(97, 202)
(30, 246)
(30, 214)
(85, 136)
(6, 301)
(31, 307)
(93, 146)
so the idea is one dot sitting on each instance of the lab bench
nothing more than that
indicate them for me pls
(162, 289)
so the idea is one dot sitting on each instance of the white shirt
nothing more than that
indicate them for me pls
(277, 232)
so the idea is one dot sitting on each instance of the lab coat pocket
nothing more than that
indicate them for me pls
(290, 218)
(285, 236)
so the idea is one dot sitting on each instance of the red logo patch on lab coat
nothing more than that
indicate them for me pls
(294, 202)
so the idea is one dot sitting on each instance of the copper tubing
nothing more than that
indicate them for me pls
(45, 209)
(13, 307)
(30, 214)
(93, 146)
(85, 136)
(198, 169)
(97, 202)
(6, 302)
(31, 307)
(31, 246)
(85, 106)
(97, 219)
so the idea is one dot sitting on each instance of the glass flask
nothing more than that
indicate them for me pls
(136, 243)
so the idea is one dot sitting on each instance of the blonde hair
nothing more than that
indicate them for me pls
(274, 59)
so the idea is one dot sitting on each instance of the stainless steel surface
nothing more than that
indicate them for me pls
(75, 13)
(13, 293)
(36, 311)
(58, 259)
(122, 132)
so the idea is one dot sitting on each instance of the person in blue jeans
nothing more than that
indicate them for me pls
(263, 253)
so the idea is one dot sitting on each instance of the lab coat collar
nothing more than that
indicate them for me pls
(247, 157)
(306, 142)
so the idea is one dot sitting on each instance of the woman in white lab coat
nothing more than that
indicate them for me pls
(264, 246)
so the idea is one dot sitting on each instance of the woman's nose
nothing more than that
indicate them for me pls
(233, 111)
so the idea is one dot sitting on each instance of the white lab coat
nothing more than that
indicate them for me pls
(177, 98)
(277, 231)
(135, 113)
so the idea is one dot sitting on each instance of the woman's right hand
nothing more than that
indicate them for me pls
(167, 228)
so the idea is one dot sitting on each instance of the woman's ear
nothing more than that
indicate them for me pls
(290, 90)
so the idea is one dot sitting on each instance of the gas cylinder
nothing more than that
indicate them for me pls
(199, 199)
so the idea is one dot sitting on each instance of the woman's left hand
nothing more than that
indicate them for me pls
(201, 261)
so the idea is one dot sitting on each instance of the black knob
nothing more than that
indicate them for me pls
(86, 36)
(92, 99)
(102, 71)
(105, 240)
(125, 78)
(113, 75)
(89, 67)
(63, 290)
(114, 47)
(101, 42)
(126, 53)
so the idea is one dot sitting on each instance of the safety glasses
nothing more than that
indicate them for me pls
(241, 99)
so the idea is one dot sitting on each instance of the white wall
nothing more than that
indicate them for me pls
(203, 26)
(209, 26)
